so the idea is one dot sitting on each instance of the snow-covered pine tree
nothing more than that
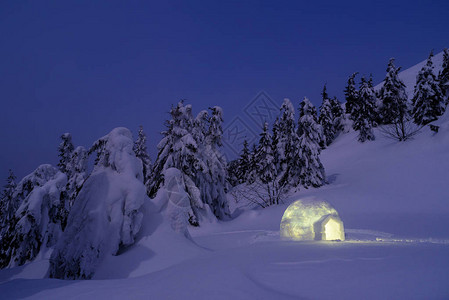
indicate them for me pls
(8, 203)
(275, 145)
(363, 121)
(264, 159)
(428, 100)
(140, 149)
(326, 119)
(192, 146)
(443, 76)
(198, 183)
(107, 214)
(37, 223)
(372, 103)
(65, 150)
(352, 97)
(233, 172)
(78, 173)
(244, 163)
(73, 163)
(200, 127)
(213, 190)
(264, 188)
(394, 108)
(287, 144)
(177, 148)
(252, 174)
(309, 166)
(339, 116)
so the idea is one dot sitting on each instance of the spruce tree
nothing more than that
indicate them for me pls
(372, 101)
(244, 163)
(363, 121)
(176, 149)
(338, 116)
(428, 99)
(214, 194)
(140, 149)
(287, 141)
(393, 97)
(73, 163)
(308, 164)
(252, 170)
(200, 127)
(193, 147)
(326, 119)
(232, 167)
(65, 150)
(443, 76)
(352, 97)
(78, 173)
(179, 150)
(8, 203)
(264, 159)
(35, 221)
(275, 146)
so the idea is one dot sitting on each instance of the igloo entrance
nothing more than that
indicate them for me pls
(310, 219)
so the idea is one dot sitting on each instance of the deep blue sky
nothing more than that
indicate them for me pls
(86, 67)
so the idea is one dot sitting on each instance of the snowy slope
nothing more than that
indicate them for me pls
(393, 198)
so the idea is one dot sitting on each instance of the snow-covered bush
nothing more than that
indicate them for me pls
(260, 194)
(107, 213)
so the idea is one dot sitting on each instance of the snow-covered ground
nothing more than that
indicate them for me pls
(393, 198)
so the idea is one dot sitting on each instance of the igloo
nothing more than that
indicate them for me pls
(311, 219)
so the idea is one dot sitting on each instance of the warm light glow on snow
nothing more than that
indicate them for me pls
(311, 219)
(333, 230)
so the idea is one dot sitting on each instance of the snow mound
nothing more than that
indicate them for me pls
(164, 239)
(107, 213)
(173, 202)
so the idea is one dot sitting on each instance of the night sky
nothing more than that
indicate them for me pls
(86, 67)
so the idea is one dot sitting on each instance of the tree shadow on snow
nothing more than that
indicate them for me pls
(21, 288)
(332, 178)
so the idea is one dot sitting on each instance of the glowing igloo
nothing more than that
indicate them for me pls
(310, 219)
